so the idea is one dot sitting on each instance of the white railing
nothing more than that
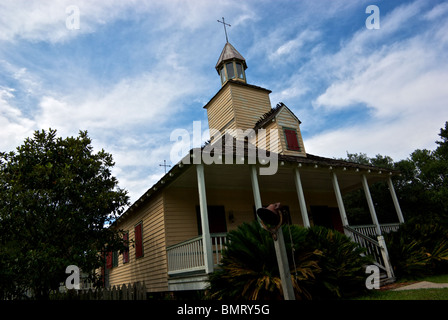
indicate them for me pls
(188, 256)
(377, 249)
(370, 230)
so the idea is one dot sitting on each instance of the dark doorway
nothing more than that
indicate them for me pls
(328, 217)
(216, 219)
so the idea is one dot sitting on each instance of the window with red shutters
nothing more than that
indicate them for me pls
(109, 260)
(292, 142)
(126, 251)
(138, 240)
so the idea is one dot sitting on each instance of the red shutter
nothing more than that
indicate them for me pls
(126, 251)
(138, 241)
(109, 260)
(291, 140)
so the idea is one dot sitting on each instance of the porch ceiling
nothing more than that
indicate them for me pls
(237, 177)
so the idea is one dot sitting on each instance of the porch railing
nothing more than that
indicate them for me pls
(377, 249)
(370, 230)
(188, 256)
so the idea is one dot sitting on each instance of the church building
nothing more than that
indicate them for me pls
(178, 227)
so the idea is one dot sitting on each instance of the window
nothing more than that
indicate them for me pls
(292, 142)
(111, 259)
(223, 75)
(138, 232)
(115, 259)
(126, 250)
(230, 71)
(239, 71)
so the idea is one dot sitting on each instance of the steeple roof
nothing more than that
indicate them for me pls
(229, 53)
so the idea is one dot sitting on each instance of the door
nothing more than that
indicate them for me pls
(328, 217)
(217, 222)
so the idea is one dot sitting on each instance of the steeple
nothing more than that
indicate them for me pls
(231, 65)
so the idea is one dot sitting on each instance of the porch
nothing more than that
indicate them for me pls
(188, 258)
(239, 190)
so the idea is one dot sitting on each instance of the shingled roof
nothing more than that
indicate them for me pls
(271, 114)
(229, 53)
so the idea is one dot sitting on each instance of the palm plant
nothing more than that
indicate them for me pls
(323, 263)
(342, 264)
(249, 269)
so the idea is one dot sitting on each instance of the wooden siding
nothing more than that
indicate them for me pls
(237, 107)
(152, 266)
(220, 111)
(180, 215)
(250, 105)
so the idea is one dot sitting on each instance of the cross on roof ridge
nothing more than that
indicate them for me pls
(225, 30)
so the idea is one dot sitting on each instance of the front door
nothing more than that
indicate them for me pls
(216, 219)
(328, 217)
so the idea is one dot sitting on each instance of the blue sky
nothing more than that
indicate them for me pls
(135, 71)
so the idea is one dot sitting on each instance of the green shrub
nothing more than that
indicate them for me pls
(342, 263)
(418, 250)
(327, 265)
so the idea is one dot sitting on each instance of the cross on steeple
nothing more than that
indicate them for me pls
(225, 30)
(164, 165)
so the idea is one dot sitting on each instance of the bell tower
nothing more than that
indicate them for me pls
(237, 105)
(231, 65)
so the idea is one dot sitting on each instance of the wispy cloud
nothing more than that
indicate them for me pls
(396, 77)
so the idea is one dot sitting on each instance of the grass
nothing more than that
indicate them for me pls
(418, 294)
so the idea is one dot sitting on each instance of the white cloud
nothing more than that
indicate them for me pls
(13, 125)
(45, 20)
(403, 85)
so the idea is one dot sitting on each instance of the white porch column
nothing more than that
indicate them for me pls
(365, 186)
(395, 200)
(255, 187)
(206, 239)
(302, 204)
(337, 191)
(279, 244)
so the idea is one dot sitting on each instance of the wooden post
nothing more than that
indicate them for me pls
(385, 254)
(337, 191)
(255, 187)
(279, 244)
(300, 195)
(395, 200)
(365, 186)
(206, 239)
(283, 266)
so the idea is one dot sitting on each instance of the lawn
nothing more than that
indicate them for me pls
(420, 294)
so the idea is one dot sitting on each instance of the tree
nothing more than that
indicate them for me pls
(355, 202)
(56, 198)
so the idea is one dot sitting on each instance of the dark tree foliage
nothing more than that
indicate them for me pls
(57, 197)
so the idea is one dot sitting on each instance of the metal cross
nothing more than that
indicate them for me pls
(225, 24)
(164, 165)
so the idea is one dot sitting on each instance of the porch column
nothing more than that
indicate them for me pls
(255, 187)
(337, 191)
(206, 239)
(279, 244)
(302, 204)
(395, 200)
(365, 186)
